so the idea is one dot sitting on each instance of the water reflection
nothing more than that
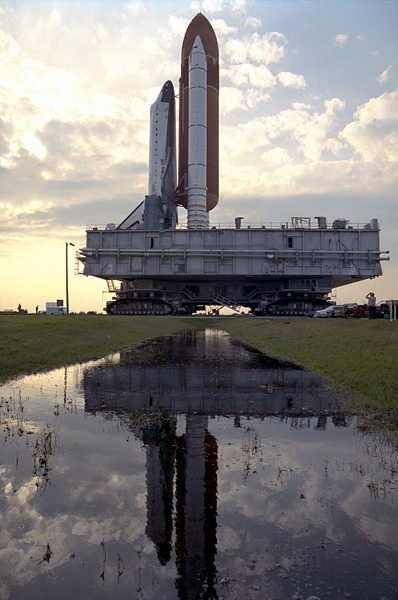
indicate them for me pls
(206, 372)
(198, 375)
(191, 468)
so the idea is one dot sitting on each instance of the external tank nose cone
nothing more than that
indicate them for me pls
(200, 26)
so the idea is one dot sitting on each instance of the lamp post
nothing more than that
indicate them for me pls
(67, 282)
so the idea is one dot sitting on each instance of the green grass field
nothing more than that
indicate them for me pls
(31, 343)
(359, 356)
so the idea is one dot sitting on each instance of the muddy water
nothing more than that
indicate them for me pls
(192, 467)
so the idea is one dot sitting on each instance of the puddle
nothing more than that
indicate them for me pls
(191, 467)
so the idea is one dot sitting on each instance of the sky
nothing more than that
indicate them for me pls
(308, 124)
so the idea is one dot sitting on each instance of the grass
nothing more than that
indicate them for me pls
(358, 356)
(31, 343)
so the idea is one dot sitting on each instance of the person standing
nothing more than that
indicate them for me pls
(371, 298)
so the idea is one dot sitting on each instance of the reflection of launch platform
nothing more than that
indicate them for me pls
(277, 391)
(285, 268)
(205, 373)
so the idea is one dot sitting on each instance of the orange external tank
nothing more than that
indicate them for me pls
(201, 27)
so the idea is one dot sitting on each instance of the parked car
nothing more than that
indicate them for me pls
(358, 311)
(331, 311)
(382, 310)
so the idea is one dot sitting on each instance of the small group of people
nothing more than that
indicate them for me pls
(371, 298)
(20, 309)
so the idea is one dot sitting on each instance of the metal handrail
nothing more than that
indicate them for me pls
(254, 225)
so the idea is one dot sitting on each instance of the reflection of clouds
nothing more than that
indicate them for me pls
(71, 514)
(227, 539)
(26, 528)
(297, 486)
(356, 505)
(25, 533)
(287, 492)
(96, 529)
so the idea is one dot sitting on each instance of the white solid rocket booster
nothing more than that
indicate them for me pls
(198, 217)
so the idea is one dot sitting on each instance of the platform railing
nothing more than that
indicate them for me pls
(256, 225)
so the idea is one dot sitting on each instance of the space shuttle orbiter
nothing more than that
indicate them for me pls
(162, 154)
(196, 188)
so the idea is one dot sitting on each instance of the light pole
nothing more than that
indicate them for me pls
(67, 283)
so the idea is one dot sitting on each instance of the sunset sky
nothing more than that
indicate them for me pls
(308, 124)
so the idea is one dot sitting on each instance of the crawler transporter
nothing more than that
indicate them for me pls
(286, 270)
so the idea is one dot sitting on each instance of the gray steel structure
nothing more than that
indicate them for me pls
(289, 269)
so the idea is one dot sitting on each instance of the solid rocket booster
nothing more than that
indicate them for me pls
(162, 153)
(199, 27)
(197, 138)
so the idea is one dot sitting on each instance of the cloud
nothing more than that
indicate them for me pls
(221, 28)
(248, 74)
(235, 51)
(314, 134)
(32, 209)
(276, 157)
(212, 6)
(374, 133)
(59, 135)
(254, 97)
(107, 56)
(239, 7)
(265, 155)
(265, 49)
(335, 146)
(385, 76)
(135, 8)
(36, 194)
(341, 39)
(246, 63)
(244, 139)
(309, 129)
(176, 25)
(278, 175)
(260, 76)
(291, 80)
(253, 22)
(231, 98)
